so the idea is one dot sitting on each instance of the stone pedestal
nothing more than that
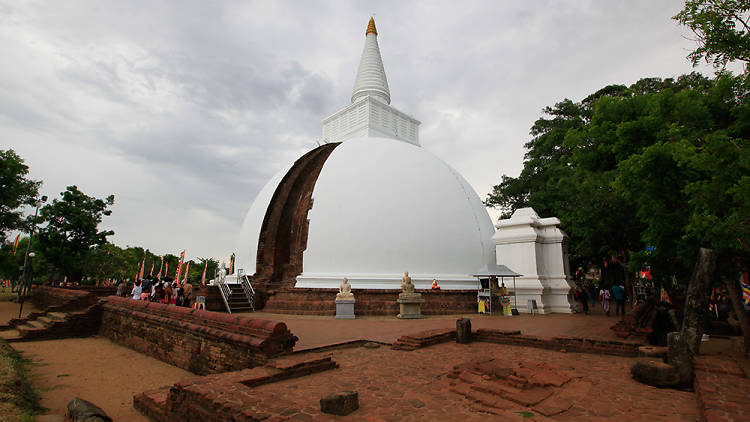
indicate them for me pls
(410, 305)
(345, 308)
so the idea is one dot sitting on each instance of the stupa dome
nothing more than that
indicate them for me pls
(381, 207)
(368, 205)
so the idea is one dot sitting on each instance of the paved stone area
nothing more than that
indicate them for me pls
(722, 389)
(426, 384)
(312, 333)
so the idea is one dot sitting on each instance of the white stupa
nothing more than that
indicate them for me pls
(368, 205)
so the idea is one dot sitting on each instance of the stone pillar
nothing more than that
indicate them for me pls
(533, 247)
(463, 330)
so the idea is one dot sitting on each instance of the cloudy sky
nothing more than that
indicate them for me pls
(184, 109)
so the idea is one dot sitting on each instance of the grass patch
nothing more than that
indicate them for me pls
(19, 401)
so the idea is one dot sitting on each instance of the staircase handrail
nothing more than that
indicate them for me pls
(225, 293)
(247, 287)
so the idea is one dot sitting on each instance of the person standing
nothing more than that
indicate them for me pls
(137, 291)
(583, 297)
(619, 294)
(188, 295)
(592, 293)
(167, 292)
(604, 297)
(122, 289)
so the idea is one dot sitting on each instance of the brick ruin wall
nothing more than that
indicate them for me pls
(58, 299)
(368, 302)
(202, 342)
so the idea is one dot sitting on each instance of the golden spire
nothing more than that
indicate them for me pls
(371, 28)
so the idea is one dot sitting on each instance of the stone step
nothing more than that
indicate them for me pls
(57, 315)
(25, 327)
(9, 335)
(240, 308)
(37, 324)
(46, 319)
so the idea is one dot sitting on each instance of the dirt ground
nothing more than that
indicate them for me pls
(9, 310)
(97, 370)
(109, 375)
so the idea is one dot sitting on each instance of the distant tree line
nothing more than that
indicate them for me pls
(68, 243)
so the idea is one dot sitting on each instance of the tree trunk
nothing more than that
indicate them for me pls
(693, 323)
(736, 296)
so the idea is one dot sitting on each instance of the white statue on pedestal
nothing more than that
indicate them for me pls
(345, 290)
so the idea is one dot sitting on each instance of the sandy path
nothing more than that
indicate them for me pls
(9, 310)
(97, 370)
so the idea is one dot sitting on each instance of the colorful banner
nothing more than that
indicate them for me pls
(203, 277)
(187, 268)
(151, 273)
(231, 265)
(161, 264)
(166, 269)
(179, 267)
(15, 245)
(143, 265)
(745, 291)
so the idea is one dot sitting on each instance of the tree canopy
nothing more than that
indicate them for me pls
(15, 191)
(722, 28)
(72, 228)
(660, 163)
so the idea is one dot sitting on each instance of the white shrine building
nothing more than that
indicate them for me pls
(372, 203)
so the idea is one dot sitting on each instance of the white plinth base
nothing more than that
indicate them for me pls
(345, 309)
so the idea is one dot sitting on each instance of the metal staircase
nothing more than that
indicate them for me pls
(238, 297)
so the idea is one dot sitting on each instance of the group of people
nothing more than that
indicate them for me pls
(162, 291)
(589, 292)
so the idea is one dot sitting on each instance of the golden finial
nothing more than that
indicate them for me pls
(371, 28)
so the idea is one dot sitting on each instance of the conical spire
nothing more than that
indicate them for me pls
(371, 74)
(371, 27)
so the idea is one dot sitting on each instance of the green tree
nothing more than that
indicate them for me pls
(659, 163)
(15, 191)
(71, 230)
(721, 28)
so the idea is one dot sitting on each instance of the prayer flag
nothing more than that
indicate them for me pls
(15, 245)
(151, 273)
(231, 265)
(179, 267)
(187, 268)
(203, 277)
(166, 269)
(143, 264)
(161, 264)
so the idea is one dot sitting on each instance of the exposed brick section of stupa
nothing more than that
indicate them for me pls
(283, 235)
(303, 301)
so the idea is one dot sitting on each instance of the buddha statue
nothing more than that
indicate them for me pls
(345, 290)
